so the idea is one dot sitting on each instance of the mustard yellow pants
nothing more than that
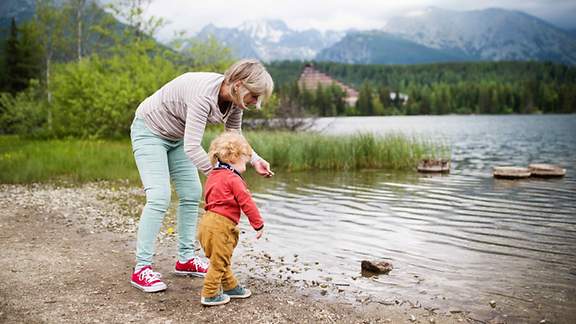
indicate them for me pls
(218, 236)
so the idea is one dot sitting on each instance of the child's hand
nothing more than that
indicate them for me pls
(259, 234)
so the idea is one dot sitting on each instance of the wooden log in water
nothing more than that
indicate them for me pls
(434, 166)
(546, 170)
(508, 172)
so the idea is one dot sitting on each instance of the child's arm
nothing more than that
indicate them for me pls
(244, 199)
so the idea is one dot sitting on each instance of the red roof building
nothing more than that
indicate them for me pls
(311, 78)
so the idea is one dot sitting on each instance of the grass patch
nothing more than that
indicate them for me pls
(25, 161)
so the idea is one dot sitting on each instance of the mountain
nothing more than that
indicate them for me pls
(240, 43)
(490, 34)
(430, 35)
(383, 48)
(271, 40)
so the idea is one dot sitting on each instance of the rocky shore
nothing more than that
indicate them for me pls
(67, 252)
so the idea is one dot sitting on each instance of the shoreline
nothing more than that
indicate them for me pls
(69, 253)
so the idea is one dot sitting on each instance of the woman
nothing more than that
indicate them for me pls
(166, 136)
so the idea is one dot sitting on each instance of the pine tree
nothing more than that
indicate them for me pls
(365, 105)
(15, 80)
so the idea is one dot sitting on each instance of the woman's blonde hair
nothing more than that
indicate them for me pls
(229, 147)
(253, 78)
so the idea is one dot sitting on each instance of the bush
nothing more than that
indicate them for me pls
(24, 113)
(97, 97)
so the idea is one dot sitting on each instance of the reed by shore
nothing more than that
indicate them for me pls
(26, 161)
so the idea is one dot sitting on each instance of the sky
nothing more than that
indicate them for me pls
(191, 15)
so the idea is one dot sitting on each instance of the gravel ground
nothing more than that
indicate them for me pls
(67, 253)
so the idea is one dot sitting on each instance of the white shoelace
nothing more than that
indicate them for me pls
(198, 262)
(148, 275)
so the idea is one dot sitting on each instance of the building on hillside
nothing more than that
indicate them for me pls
(311, 78)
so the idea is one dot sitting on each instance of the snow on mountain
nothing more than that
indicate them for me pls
(490, 34)
(271, 40)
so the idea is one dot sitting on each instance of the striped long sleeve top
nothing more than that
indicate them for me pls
(182, 108)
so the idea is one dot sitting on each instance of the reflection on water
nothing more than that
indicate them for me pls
(456, 241)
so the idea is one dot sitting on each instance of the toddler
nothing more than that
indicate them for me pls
(226, 195)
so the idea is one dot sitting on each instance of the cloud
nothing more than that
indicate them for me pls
(191, 16)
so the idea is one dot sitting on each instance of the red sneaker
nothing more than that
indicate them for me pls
(193, 267)
(147, 280)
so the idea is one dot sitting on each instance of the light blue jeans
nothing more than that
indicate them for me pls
(158, 160)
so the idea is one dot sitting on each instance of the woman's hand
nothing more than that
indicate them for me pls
(262, 167)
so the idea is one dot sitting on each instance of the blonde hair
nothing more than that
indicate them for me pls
(253, 78)
(229, 147)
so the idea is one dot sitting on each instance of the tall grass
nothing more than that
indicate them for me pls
(25, 161)
(305, 151)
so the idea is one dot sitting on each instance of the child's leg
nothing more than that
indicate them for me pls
(189, 189)
(214, 238)
(229, 281)
(150, 152)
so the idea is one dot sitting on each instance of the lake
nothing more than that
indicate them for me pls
(456, 241)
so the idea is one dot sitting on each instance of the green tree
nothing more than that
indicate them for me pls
(322, 101)
(97, 97)
(77, 10)
(22, 54)
(23, 113)
(365, 104)
(133, 12)
(50, 22)
(209, 55)
(377, 106)
(384, 96)
(337, 96)
(14, 81)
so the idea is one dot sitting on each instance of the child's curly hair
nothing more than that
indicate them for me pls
(228, 147)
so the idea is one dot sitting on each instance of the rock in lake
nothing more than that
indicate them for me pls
(546, 170)
(506, 172)
(434, 166)
(377, 266)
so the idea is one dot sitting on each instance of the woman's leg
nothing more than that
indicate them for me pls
(189, 190)
(150, 152)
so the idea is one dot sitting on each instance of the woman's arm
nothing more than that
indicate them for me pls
(234, 123)
(197, 115)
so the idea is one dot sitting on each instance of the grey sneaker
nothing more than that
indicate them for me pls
(220, 299)
(238, 292)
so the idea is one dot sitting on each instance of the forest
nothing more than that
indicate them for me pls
(437, 89)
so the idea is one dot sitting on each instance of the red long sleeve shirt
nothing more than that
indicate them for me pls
(227, 194)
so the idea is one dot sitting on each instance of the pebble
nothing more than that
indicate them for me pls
(94, 204)
(493, 303)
